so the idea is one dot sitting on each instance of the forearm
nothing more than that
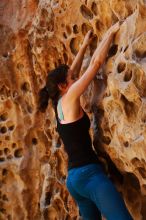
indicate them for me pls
(77, 63)
(102, 50)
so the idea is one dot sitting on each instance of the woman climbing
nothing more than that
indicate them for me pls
(93, 191)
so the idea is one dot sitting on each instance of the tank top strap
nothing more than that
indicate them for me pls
(60, 112)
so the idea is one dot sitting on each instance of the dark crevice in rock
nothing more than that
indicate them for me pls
(128, 75)
(121, 67)
(113, 50)
(129, 107)
(85, 11)
(94, 8)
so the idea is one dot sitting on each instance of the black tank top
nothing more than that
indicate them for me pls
(77, 142)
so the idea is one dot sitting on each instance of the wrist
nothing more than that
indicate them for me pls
(84, 45)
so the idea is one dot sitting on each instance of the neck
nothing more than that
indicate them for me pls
(62, 93)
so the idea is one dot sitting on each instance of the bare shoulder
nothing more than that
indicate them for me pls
(70, 104)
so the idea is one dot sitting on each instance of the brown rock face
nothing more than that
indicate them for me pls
(36, 36)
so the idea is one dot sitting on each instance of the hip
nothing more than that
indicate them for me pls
(85, 171)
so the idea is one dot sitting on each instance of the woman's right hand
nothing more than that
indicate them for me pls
(88, 38)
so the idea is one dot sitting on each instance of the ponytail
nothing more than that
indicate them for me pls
(43, 99)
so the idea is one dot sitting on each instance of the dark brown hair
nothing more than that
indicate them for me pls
(51, 90)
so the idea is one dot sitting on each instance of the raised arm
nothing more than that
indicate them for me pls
(77, 63)
(98, 58)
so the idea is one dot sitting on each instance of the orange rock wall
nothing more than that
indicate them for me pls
(36, 36)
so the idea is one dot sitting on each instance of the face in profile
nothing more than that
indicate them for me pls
(71, 78)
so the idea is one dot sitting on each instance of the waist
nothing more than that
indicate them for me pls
(86, 168)
(82, 162)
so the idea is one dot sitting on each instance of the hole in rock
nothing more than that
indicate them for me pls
(48, 122)
(126, 144)
(74, 44)
(113, 50)
(6, 151)
(11, 128)
(142, 172)
(64, 35)
(4, 172)
(128, 76)
(143, 160)
(125, 48)
(59, 61)
(75, 29)
(20, 66)
(2, 210)
(14, 145)
(135, 161)
(5, 198)
(106, 140)
(48, 198)
(140, 54)
(121, 67)
(93, 45)
(34, 141)
(42, 23)
(132, 180)
(128, 106)
(144, 187)
(85, 28)
(94, 8)
(50, 27)
(2, 159)
(15, 94)
(25, 86)
(86, 12)
(29, 109)
(68, 29)
(4, 92)
(5, 55)
(4, 116)
(7, 138)
(143, 119)
(64, 47)
(3, 129)
(18, 153)
(44, 13)
(9, 157)
(1, 152)
(99, 25)
(65, 57)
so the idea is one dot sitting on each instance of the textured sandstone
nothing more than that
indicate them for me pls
(35, 36)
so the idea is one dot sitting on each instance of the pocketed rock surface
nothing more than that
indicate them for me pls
(36, 36)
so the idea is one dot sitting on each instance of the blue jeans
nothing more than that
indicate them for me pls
(95, 194)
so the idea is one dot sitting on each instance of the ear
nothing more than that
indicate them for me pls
(62, 86)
